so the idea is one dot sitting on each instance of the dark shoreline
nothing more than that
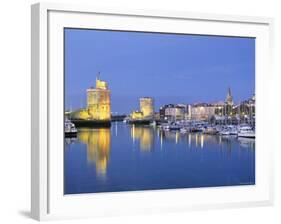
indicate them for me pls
(91, 123)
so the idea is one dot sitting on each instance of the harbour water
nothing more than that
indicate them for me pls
(128, 157)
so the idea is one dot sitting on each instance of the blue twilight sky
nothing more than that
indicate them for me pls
(172, 68)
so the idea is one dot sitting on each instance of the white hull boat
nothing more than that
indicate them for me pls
(246, 132)
(247, 135)
(224, 133)
(69, 129)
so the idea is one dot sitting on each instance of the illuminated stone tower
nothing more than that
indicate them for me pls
(229, 99)
(147, 106)
(98, 101)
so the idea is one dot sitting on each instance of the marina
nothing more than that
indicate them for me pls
(243, 130)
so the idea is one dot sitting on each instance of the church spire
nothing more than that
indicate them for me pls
(229, 92)
(98, 76)
(229, 99)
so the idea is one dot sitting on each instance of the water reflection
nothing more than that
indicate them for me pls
(191, 139)
(247, 142)
(145, 135)
(201, 141)
(98, 146)
(211, 160)
(98, 141)
(69, 141)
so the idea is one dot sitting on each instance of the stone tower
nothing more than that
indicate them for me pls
(147, 107)
(98, 101)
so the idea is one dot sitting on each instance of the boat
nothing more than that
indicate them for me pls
(210, 130)
(164, 127)
(233, 130)
(184, 130)
(69, 129)
(171, 126)
(246, 132)
(174, 127)
(224, 131)
(195, 129)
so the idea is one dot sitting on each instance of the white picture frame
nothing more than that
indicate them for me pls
(48, 201)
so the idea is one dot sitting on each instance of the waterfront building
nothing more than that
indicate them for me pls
(202, 111)
(173, 112)
(162, 113)
(207, 111)
(219, 108)
(246, 110)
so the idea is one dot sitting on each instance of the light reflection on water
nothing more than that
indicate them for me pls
(145, 135)
(119, 158)
(98, 147)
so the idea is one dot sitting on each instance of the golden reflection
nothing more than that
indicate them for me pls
(98, 147)
(133, 132)
(144, 135)
(191, 139)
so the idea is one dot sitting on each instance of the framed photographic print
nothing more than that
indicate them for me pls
(148, 111)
